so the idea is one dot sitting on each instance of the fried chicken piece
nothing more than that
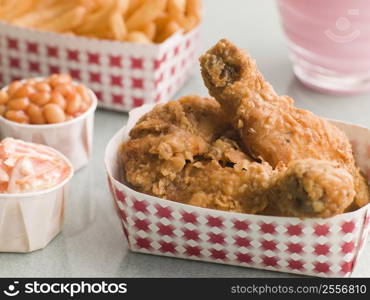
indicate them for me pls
(271, 128)
(168, 137)
(310, 188)
(181, 151)
(208, 184)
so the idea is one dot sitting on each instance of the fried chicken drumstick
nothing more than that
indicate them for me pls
(271, 127)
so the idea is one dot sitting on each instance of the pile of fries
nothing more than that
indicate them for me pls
(139, 21)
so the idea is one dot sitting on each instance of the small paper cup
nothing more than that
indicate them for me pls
(316, 247)
(29, 221)
(72, 138)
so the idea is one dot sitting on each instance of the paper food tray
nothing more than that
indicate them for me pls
(123, 75)
(317, 247)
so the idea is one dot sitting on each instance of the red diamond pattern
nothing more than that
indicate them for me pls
(295, 248)
(193, 251)
(165, 229)
(215, 222)
(321, 249)
(164, 212)
(268, 245)
(75, 73)
(189, 217)
(136, 63)
(143, 243)
(115, 61)
(167, 247)
(322, 267)
(215, 238)
(33, 66)
(242, 241)
(270, 261)
(218, 254)
(191, 234)
(267, 228)
(295, 264)
(347, 267)
(348, 247)
(142, 225)
(14, 63)
(117, 99)
(52, 51)
(321, 230)
(95, 77)
(244, 258)
(73, 55)
(137, 101)
(32, 48)
(121, 196)
(93, 58)
(54, 69)
(116, 80)
(294, 230)
(12, 43)
(137, 83)
(141, 206)
(348, 227)
(241, 225)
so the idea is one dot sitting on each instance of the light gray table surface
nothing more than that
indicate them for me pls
(92, 243)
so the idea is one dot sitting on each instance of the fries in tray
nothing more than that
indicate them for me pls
(138, 21)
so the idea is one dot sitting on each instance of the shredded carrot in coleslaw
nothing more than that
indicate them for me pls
(27, 167)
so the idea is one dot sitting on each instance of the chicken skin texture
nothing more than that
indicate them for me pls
(310, 188)
(184, 151)
(272, 129)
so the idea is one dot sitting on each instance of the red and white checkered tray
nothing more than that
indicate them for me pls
(317, 247)
(123, 75)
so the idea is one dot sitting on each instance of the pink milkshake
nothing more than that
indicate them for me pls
(329, 43)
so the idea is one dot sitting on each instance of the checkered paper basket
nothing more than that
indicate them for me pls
(123, 75)
(316, 247)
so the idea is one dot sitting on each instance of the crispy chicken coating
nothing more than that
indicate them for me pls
(183, 151)
(310, 188)
(271, 127)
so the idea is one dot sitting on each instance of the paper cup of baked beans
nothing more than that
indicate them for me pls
(54, 111)
(34, 181)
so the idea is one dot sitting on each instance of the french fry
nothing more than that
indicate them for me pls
(118, 27)
(170, 28)
(141, 21)
(176, 7)
(162, 20)
(133, 6)
(193, 8)
(146, 12)
(18, 10)
(36, 18)
(149, 30)
(96, 20)
(137, 37)
(189, 23)
(66, 21)
(122, 6)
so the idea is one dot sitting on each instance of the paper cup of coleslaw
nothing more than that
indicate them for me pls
(73, 138)
(32, 204)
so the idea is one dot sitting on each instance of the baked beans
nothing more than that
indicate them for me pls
(53, 100)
